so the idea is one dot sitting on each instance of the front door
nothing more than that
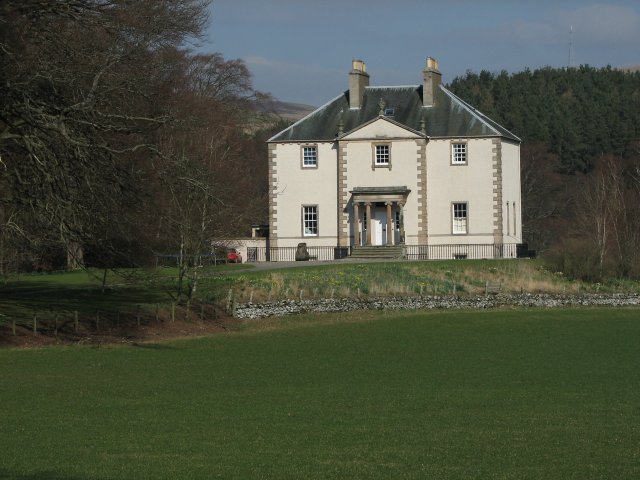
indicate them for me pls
(379, 227)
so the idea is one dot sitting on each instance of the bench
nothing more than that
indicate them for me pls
(492, 288)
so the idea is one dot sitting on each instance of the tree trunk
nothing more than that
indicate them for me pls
(75, 255)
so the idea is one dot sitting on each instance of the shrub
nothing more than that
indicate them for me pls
(576, 259)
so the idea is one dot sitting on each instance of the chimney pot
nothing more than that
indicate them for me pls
(359, 65)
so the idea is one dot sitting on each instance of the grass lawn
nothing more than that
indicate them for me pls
(440, 277)
(533, 394)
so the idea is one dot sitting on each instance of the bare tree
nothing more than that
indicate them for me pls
(82, 84)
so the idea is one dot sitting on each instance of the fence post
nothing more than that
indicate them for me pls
(173, 312)
(229, 298)
(55, 325)
(75, 321)
(157, 309)
(35, 323)
(138, 315)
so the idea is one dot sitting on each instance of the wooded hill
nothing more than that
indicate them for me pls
(580, 113)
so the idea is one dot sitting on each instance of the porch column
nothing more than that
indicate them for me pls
(356, 224)
(401, 206)
(389, 224)
(368, 205)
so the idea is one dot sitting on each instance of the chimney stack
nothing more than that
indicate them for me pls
(431, 79)
(358, 80)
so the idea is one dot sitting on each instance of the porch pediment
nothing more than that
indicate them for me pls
(381, 128)
(380, 194)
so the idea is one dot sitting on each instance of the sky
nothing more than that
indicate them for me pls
(301, 50)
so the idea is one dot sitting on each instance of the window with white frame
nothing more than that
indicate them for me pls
(460, 218)
(383, 155)
(458, 153)
(310, 220)
(310, 156)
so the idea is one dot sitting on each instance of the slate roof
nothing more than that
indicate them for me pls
(450, 117)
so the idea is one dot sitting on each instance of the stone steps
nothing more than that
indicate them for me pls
(377, 251)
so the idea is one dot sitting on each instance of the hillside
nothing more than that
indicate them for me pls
(287, 110)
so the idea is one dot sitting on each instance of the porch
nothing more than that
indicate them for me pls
(377, 215)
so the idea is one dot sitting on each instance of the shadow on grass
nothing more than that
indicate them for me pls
(42, 475)
(153, 346)
(23, 299)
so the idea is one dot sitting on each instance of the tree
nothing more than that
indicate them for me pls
(546, 197)
(82, 85)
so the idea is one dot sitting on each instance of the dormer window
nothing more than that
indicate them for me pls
(389, 111)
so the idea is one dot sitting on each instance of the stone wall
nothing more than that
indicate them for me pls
(289, 307)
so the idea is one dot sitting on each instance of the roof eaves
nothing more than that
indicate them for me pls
(478, 114)
(470, 109)
(371, 87)
(439, 137)
(305, 117)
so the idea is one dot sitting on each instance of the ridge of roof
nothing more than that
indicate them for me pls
(306, 116)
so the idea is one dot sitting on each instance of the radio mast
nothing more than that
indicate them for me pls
(570, 45)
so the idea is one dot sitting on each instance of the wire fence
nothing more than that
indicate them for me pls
(54, 322)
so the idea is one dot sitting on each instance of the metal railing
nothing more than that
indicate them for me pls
(288, 254)
(411, 252)
(474, 251)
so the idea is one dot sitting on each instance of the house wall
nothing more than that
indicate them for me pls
(403, 172)
(511, 193)
(471, 183)
(295, 186)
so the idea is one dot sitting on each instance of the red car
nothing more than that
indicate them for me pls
(233, 256)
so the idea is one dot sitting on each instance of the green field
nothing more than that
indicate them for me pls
(502, 394)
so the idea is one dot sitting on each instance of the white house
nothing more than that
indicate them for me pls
(413, 169)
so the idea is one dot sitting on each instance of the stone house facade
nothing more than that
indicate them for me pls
(412, 166)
